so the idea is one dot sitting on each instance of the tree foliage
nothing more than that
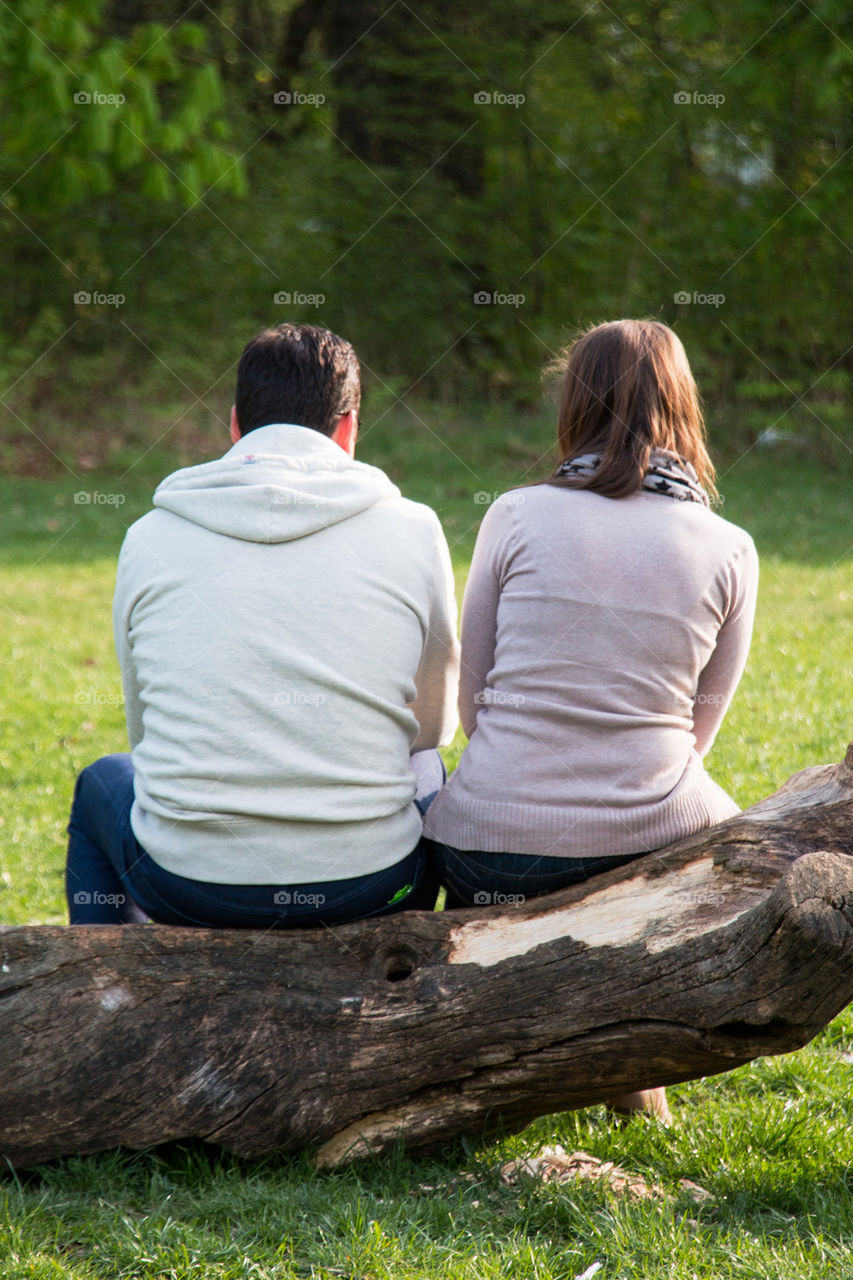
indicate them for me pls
(571, 161)
(85, 110)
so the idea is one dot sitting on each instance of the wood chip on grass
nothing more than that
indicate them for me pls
(554, 1164)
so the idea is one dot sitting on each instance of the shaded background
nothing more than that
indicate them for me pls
(454, 187)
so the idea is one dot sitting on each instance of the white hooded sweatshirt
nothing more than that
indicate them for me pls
(286, 629)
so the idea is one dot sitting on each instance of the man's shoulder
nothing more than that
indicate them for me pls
(149, 524)
(149, 535)
(416, 511)
(416, 516)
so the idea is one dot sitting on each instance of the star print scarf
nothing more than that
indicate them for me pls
(667, 474)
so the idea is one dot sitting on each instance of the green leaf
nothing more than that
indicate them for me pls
(157, 182)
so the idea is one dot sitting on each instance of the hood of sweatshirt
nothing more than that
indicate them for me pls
(277, 483)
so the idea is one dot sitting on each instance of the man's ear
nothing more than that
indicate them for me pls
(346, 432)
(236, 433)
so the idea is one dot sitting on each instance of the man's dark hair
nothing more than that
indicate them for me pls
(296, 373)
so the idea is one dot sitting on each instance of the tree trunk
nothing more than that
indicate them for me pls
(731, 944)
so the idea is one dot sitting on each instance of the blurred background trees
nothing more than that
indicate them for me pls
(455, 187)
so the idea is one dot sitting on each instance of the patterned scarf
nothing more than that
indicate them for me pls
(667, 474)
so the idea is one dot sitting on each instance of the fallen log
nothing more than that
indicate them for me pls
(729, 945)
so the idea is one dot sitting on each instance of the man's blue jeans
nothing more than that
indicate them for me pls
(110, 879)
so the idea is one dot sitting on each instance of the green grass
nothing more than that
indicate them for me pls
(771, 1142)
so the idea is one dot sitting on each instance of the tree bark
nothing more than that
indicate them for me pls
(690, 961)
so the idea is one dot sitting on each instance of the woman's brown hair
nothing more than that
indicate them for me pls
(627, 389)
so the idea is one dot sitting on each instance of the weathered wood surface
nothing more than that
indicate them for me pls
(729, 945)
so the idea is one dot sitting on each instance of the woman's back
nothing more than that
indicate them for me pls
(606, 623)
(599, 636)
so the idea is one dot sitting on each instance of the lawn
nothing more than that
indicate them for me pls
(772, 1143)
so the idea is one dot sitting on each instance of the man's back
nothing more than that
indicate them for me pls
(285, 626)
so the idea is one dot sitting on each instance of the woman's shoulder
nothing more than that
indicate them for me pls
(734, 535)
(531, 498)
(725, 549)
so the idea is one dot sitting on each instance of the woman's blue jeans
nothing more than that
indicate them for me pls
(110, 879)
(475, 879)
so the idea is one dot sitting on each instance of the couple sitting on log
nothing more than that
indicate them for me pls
(285, 626)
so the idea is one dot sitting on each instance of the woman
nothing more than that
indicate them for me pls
(606, 623)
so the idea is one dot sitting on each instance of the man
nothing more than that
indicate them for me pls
(285, 626)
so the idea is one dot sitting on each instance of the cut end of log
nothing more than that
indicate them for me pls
(818, 890)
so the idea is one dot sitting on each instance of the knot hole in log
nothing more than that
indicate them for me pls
(399, 964)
